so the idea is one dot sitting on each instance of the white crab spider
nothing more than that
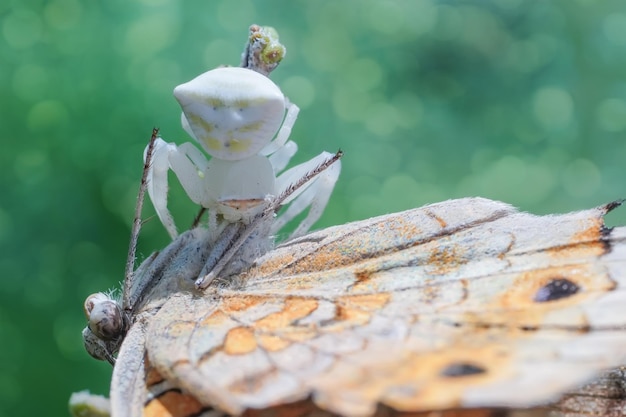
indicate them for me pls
(242, 119)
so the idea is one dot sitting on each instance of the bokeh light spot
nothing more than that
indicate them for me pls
(363, 74)
(404, 192)
(385, 16)
(300, 90)
(350, 105)
(614, 27)
(30, 82)
(508, 178)
(611, 115)
(508, 5)
(581, 178)
(231, 14)
(160, 72)
(63, 14)
(523, 56)
(449, 22)
(481, 30)
(46, 115)
(217, 53)
(119, 195)
(409, 109)
(152, 33)
(381, 119)
(364, 206)
(45, 290)
(377, 158)
(329, 50)
(553, 108)
(422, 16)
(22, 29)
(504, 176)
(155, 3)
(10, 388)
(67, 330)
(31, 166)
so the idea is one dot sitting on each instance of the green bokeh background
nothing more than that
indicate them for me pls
(523, 101)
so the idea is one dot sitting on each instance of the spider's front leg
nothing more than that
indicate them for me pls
(281, 157)
(313, 194)
(285, 129)
(189, 165)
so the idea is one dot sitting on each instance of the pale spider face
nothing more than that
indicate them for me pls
(232, 112)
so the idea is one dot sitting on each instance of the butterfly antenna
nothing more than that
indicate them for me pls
(134, 234)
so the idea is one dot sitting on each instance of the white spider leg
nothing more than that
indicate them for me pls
(190, 176)
(157, 184)
(281, 157)
(185, 123)
(314, 194)
(196, 156)
(285, 129)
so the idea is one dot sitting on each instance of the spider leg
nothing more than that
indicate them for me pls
(311, 170)
(157, 184)
(190, 166)
(314, 194)
(285, 130)
(281, 157)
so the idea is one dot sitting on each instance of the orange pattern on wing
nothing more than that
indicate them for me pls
(240, 341)
(295, 308)
(173, 404)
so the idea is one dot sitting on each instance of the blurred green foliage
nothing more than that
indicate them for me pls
(523, 101)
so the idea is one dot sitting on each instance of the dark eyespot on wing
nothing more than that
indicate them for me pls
(556, 289)
(462, 369)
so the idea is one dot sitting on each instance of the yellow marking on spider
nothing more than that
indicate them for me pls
(199, 121)
(215, 102)
(241, 104)
(251, 127)
(212, 143)
(239, 145)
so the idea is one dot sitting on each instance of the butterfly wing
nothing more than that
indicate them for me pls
(466, 303)
(128, 387)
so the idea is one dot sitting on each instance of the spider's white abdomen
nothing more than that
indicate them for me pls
(232, 112)
(240, 188)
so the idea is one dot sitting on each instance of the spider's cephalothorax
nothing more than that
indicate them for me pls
(243, 121)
